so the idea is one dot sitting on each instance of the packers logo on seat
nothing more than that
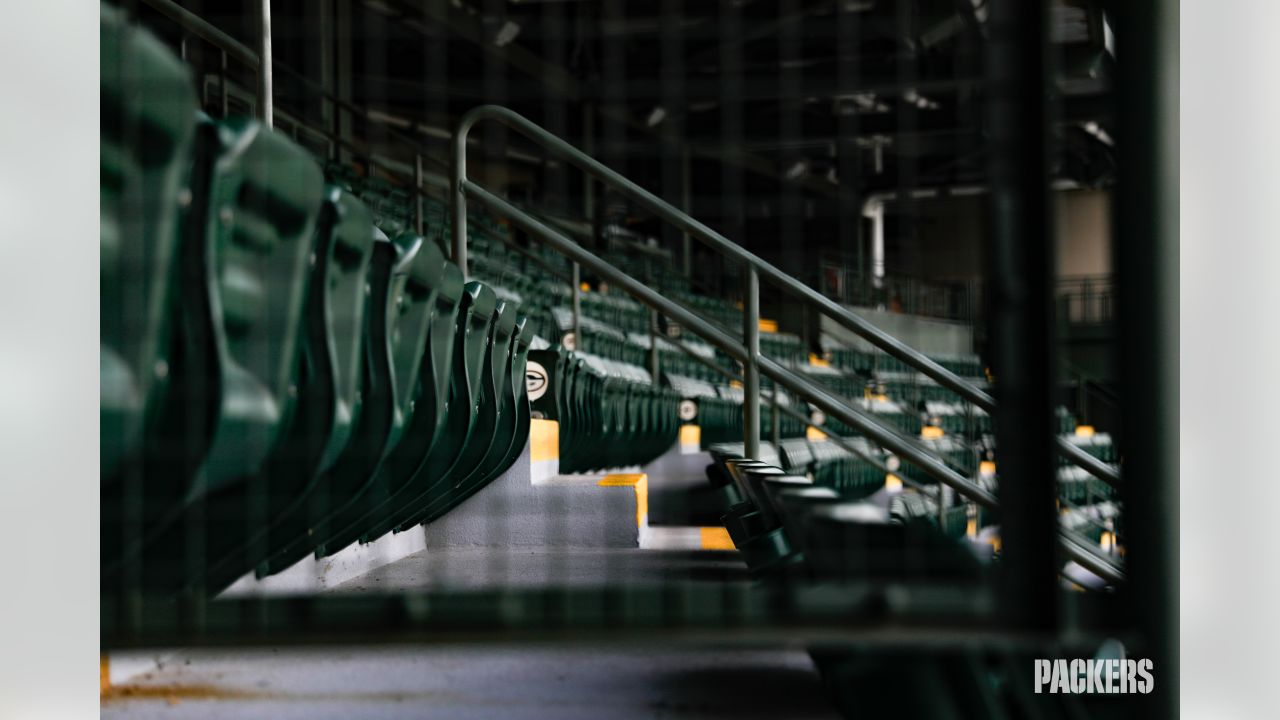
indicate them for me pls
(688, 410)
(535, 380)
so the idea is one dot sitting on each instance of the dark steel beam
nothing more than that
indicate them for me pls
(1020, 316)
(1146, 260)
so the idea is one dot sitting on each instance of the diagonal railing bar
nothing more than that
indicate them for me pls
(906, 448)
(666, 212)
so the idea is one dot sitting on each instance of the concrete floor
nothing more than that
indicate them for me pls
(500, 681)
(485, 568)
(564, 682)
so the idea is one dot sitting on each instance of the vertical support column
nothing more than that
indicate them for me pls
(750, 370)
(419, 219)
(576, 294)
(1146, 260)
(325, 14)
(1022, 347)
(344, 28)
(653, 346)
(265, 93)
(775, 426)
(222, 85)
(589, 183)
(686, 204)
(458, 200)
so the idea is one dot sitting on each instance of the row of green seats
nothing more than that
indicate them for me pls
(611, 414)
(278, 377)
(789, 527)
(873, 361)
(832, 466)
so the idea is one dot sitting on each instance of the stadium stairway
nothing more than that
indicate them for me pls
(290, 374)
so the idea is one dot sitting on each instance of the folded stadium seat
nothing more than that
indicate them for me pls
(438, 459)
(426, 422)
(859, 541)
(244, 283)
(1092, 521)
(491, 430)
(793, 505)
(327, 392)
(797, 456)
(610, 413)
(148, 106)
(854, 478)
(394, 338)
(1077, 485)
(913, 506)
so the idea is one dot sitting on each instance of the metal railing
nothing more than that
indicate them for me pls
(1086, 299)
(747, 351)
(957, 301)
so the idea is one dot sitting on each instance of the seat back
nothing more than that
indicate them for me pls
(148, 114)
(249, 253)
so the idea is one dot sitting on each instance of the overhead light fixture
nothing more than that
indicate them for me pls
(656, 116)
(1099, 133)
(507, 33)
(920, 101)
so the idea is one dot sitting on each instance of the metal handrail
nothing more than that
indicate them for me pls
(756, 266)
(906, 448)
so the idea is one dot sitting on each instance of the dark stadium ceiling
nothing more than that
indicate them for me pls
(780, 88)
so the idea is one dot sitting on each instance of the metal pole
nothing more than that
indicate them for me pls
(576, 294)
(1145, 247)
(458, 203)
(906, 448)
(222, 86)
(686, 202)
(775, 419)
(1022, 346)
(751, 368)
(265, 96)
(653, 345)
(419, 212)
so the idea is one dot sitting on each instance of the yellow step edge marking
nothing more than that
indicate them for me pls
(1084, 431)
(544, 440)
(640, 481)
(104, 673)
(768, 326)
(814, 433)
(715, 538)
(892, 482)
(986, 467)
(690, 435)
(931, 432)
(817, 361)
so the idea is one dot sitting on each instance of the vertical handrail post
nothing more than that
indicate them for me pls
(775, 424)
(458, 199)
(222, 86)
(653, 345)
(419, 211)
(576, 294)
(265, 110)
(751, 368)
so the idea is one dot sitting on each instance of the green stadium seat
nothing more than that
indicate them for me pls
(244, 270)
(145, 165)
(328, 399)
(395, 336)
(487, 427)
(427, 306)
